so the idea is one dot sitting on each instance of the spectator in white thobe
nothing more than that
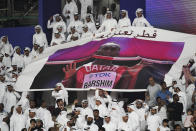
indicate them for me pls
(39, 37)
(153, 120)
(101, 107)
(74, 35)
(2, 87)
(17, 120)
(7, 61)
(32, 115)
(108, 124)
(57, 39)
(57, 21)
(140, 21)
(90, 23)
(85, 109)
(6, 47)
(24, 101)
(62, 118)
(84, 5)
(109, 25)
(60, 92)
(133, 120)
(86, 33)
(18, 58)
(27, 56)
(123, 124)
(89, 124)
(77, 23)
(101, 17)
(69, 10)
(124, 23)
(103, 96)
(35, 51)
(11, 97)
(189, 92)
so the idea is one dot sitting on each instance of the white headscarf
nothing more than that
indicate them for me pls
(127, 16)
(139, 10)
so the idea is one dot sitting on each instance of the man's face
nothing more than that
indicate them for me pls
(129, 109)
(125, 118)
(109, 16)
(2, 78)
(153, 111)
(19, 109)
(35, 46)
(85, 104)
(44, 105)
(33, 124)
(37, 30)
(176, 98)
(57, 35)
(139, 14)
(4, 39)
(59, 29)
(109, 51)
(164, 86)
(138, 105)
(1, 107)
(96, 113)
(38, 124)
(76, 17)
(31, 114)
(123, 14)
(77, 113)
(58, 18)
(98, 102)
(178, 128)
(10, 88)
(107, 119)
(60, 103)
(18, 51)
(165, 124)
(151, 81)
(88, 19)
(32, 104)
(26, 52)
(89, 120)
(85, 29)
(73, 30)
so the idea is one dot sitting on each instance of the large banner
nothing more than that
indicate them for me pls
(113, 63)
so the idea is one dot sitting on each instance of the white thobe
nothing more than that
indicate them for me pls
(62, 119)
(162, 113)
(108, 25)
(87, 34)
(17, 122)
(8, 49)
(134, 121)
(34, 53)
(162, 128)
(110, 126)
(108, 98)
(54, 26)
(76, 34)
(69, 10)
(18, 60)
(45, 116)
(153, 122)
(92, 127)
(84, 5)
(57, 41)
(189, 92)
(7, 61)
(102, 110)
(27, 59)
(80, 121)
(10, 99)
(124, 24)
(124, 126)
(86, 111)
(62, 94)
(2, 91)
(4, 126)
(77, 24)
(91, 26)
(40, 39)
(141, 22)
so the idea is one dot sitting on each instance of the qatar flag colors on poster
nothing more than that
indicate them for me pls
(115, 63)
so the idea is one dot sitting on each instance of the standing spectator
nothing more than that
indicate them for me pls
(162, 110)
(108, 124)
(27, 56)
(175, 111)
(164, 93)
(133, 118)
(2, 87)
(39, 37)
(17, 120)
(18, 59)
(35, 51)
(189, 93)
(7, 61)
(11, 97)
(56, 21)
(140, 21)
(77, 23)
(84, 5)
(69, 10)
(188, 124)
(153, 120)
(101, 107)
(6, 47)
(123, 124)
(152, 90)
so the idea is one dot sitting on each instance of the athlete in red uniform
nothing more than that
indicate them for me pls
(100, 73)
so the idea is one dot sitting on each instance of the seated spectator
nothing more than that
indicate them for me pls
(109, 25)
(35, 51)
(86, 33)
(164, 126)
(62, 118)
(7, 61)
(56, 21)
(57, 39)
(152, 90)
(89, 124)
(27, 56)
(39, 37)
(69, 10)
(90, 23)
(73, 36)
(124, 124)
(153, 120)
(6, 46)
(18, 59)
(140, 21)
(2, 87)
(124, 23)
(77, 23)
(108, 124)
(61, 31)
(175, 111)
(164, 93)
(133, 120)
